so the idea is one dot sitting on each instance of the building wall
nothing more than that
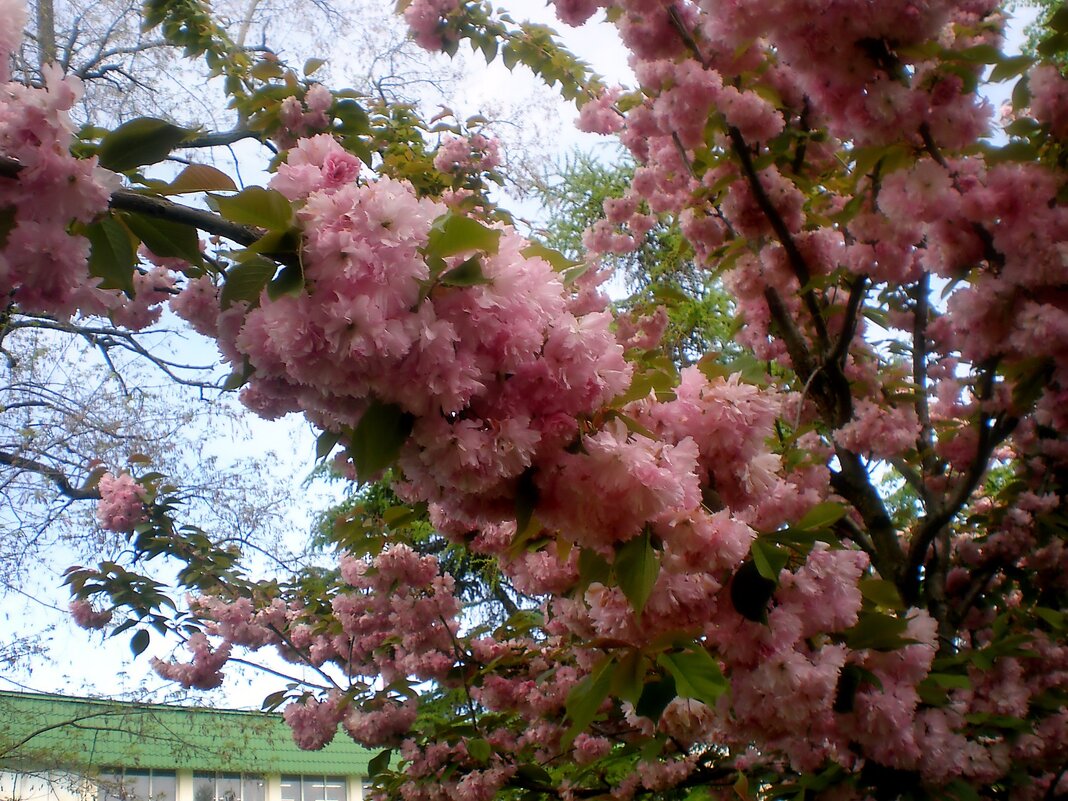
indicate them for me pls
(62, 786)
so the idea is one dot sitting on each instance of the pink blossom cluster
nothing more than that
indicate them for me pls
(204, 672)
(428, 22)
(393, 618)
(43, 267)
(87, 617)
(1049, 99)
(494, 374)
(304, 117)
(12, 22)
(122, 503)
(469, 154)
(599, 115)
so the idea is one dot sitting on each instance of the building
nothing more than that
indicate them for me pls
(55, 748)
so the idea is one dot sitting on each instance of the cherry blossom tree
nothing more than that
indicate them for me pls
(840, 575)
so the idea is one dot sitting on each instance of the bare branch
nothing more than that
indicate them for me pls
(52, 474)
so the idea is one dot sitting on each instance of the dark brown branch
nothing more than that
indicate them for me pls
(126, 200)
(920, 315)
(853, 483)
(792, 336)
(849, 325)
(793, 254)
(57, 477)
(150, 206)
(991, 433)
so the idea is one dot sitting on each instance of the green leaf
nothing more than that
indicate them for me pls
(628, 676)
(526, 500)
(592, 568)
(585, 698)
(246, 280)
(769, 559)
(168, 240)
(479, 749)
(851, 679)
(1059, 21)
(353, 122)
(111, 255)
(453, 233)
(289, 282)
(697, 675)
(397, 517)
(263, 208)
(822, 515)
(273, 701)
(980, 54)
(1021, 94)
(637, 566)
(379, 762)
(751, 592)
(312, 65)
(1010, 67)
(951, 681)
(558, 261)
(325, 443)
(145, 140)
(655, 697)
(7, 223)
(139, 642)
(376, 442)
(878, 632)
(882, 593)
(195, 178)
(468, 273)
(1053, 46)
(1056, 619)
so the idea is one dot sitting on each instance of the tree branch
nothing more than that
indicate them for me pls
(57, 477)
(150, 206)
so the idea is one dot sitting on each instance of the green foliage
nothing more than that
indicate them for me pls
(360, 522)
(1047, 36)
(661, 272)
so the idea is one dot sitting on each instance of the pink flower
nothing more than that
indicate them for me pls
(121, 505)
(12, 22)
(476, 153)
(87, 617)
(600, 115)
(314, 723)
(204, 672)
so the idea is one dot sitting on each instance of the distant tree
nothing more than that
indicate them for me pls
(661, 271)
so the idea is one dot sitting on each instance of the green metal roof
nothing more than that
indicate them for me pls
(83, 734)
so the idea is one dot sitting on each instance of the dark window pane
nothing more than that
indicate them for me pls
(136, 786)
(109, 786)
(203, 787)
(164, 786)
(255, 788)
(314, 788)
(291, 788)
(228, 787)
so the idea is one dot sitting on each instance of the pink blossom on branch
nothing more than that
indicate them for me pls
(122, 503)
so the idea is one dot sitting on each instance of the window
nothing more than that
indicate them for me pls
(137, 785)
(313, 788)
(228, 787)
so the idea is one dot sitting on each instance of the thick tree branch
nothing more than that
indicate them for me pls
(797, 260)
(57, 477)
(853, 482)
(150, 206)
(920, 316)
(991, 431)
